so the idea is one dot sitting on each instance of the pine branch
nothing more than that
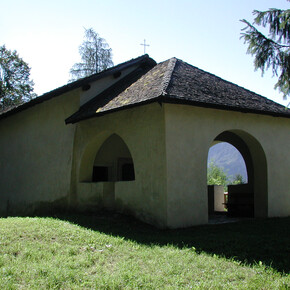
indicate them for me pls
(278, 21)
(254, 30)
(268, 52)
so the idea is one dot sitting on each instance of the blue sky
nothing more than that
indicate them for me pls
(205, 33)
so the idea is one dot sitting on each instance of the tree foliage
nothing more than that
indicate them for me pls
(238, 179)
(15, 84)
(272, 51)
(96, 55)
(216, 175)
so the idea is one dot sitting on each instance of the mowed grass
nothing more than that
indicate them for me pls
(110, 251)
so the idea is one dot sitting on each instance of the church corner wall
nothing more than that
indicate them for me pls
(142, 130)
(36, 148)
(190, 132)
(278, 164)
(186, 168)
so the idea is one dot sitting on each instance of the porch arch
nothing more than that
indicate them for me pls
(113, 161)
(256, 164)
(106, 149)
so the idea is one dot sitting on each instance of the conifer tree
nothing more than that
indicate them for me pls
(96, 55)
(272, 51)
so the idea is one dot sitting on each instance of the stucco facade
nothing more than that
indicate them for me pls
(190, 132)
(142, 130)
(36, 155)
(48, 165)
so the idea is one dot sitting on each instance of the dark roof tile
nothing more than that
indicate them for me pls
(192, 84)
(178, 82)
(148, 87)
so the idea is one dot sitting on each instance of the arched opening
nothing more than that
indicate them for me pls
(228, 158)
(113, 161)
(242, 164)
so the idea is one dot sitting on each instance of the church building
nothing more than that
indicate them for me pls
(135, 139)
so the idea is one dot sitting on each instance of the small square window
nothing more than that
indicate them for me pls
(127, 172)
(100, 173)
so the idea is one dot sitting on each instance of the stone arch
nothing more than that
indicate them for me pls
(256, 164)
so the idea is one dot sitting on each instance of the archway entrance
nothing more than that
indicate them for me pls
(246, 191)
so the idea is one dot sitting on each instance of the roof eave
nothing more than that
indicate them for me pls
(172, 100)
(78, 84)
(167, 99)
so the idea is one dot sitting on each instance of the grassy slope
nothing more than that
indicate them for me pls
(111, 251)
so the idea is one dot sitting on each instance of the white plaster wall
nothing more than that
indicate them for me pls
(219, 198)
(90, 191)
(95, 194)
(276, 142)
(215, 199)
(186, 167)
(36, 148)
(189, 135)
(102, 84)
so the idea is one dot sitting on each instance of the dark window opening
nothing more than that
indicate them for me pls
(128, 172)
(100, 173)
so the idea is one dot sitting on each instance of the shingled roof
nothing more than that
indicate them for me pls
(174, 81)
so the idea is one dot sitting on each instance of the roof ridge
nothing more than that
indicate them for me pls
(167, 75)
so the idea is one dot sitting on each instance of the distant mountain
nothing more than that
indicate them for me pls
(227, 156)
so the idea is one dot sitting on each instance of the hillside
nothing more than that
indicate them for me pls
(228, 157)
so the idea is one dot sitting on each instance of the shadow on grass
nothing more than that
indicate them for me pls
(250, 241)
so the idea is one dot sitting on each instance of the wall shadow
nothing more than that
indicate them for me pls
(249, 241)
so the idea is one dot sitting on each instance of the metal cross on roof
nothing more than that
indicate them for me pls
(144, 44)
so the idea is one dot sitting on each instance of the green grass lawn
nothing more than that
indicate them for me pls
(110, 251)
